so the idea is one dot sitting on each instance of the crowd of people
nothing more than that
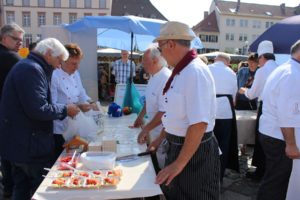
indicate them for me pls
(191, 121)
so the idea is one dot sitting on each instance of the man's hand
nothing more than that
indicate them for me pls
(72, 110)
(242, 90)
(138, 122)
(143, 136)
(292, 151)
(84, 107)
(167, 174)
(153, 146)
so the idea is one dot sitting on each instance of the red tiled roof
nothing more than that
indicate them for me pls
(208, 24)
(255, 9)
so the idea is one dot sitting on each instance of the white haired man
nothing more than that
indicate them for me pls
(11, 39)
(26, 116)
(156, 66)
(225, 127)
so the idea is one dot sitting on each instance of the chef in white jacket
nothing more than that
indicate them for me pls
(66, 87)
(279, 128)
(156, 66)
(266, 60)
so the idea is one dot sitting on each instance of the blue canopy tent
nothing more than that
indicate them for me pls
(126, 33)
(283, 34)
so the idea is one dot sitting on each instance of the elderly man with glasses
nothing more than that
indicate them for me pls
(11, 37)
(27, 114)
(192, 167)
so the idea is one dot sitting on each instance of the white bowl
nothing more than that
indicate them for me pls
(98, 160)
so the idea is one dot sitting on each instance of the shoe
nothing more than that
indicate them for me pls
(254, 176)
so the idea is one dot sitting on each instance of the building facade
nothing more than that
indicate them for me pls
(32, 14)
(232, 26)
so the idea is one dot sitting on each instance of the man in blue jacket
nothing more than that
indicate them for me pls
(26, 116)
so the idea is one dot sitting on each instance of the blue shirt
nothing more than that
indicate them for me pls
(242, 77)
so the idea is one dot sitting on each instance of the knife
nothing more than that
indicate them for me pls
(133, 156)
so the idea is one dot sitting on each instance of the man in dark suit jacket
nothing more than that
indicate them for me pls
(11, 38)
(26, 116)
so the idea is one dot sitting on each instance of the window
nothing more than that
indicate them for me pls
(26, 19)
(256, 24)
(72, 17)
(102, 3)
(243, 23)
(254, 37)
(41, 3)
(243, 37)
(229, 37)
(101, 14)
(269, 24)
(87, 4)
(10, 17)
(230, 22)
(41, 18)
(57, 18)
(57, 4)
(209, 38)
(26, 2)
(73, 3)
(9, 2)
(27, 39)
(87, 14)
(38, 37)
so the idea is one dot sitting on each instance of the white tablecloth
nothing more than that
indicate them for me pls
(246, 121)
(138, 175)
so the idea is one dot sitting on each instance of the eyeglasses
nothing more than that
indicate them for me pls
(162, 44)
(16, 38)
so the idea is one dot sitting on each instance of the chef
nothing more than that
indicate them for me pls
(156, 66)
(225, 127)
(266, 61)
(192, 168)
(279, 123)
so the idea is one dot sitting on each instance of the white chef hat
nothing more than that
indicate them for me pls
(265, 46)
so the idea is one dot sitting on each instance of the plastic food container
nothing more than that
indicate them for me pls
(98, 160)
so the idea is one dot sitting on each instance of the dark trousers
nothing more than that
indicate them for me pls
(278, 170)
(7, 179)
(27, 178)
(258, 158)
(59, 142)
(222, 131)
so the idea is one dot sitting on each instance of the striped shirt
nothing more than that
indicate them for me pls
(122, 71)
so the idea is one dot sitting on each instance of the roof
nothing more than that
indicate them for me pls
(142, 8)
(255, 9)
(208, 24)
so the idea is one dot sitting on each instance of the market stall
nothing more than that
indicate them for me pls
(138, 176)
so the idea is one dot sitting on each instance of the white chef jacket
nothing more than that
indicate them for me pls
(293, 191)
(66, 89)
(281, 99)
(226, 83)
(190, 99)
(260, 78)
(154, 97)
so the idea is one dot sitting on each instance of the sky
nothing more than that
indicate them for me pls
(191, 12)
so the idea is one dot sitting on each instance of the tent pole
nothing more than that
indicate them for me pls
(131, 57)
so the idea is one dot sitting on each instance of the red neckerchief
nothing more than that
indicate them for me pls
(191, 55)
